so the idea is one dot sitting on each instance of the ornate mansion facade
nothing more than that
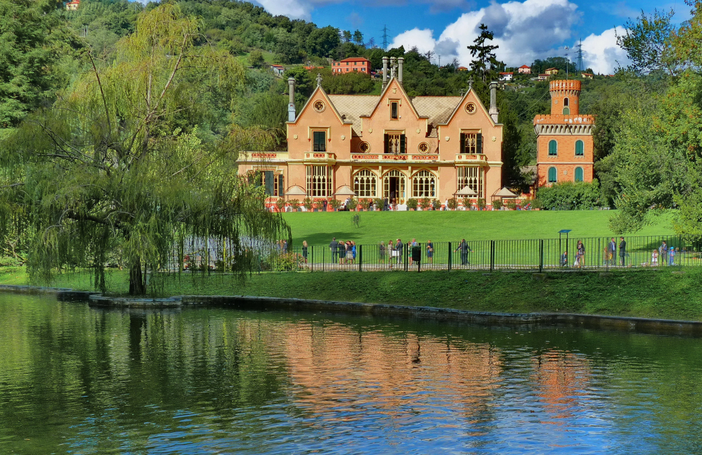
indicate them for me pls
(388, 146)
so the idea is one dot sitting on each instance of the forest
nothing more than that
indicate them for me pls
(116, 93)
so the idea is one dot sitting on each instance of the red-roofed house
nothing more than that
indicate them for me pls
(351, 64)
(506, 76)
(73, 5)
(525, 69)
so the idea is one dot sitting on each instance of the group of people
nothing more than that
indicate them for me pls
(663, 255)
(343, 252)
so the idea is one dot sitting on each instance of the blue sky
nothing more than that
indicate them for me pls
(524, 30)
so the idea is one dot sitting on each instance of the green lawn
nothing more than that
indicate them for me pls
(319, 228)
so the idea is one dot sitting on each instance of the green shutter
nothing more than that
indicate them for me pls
(268, 182)
(403, 144)
(552, 175)
(463, 143)
(281, 188)
(479, 143)
(385, 142)
(579, 177)
(579, 148)
(553, 148)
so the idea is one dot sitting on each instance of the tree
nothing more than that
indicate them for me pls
(132, 160)
(358, 37)
(33, 41)
(256, 58)
(484, 61)
(647, 42)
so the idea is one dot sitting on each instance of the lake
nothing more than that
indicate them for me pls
(74, 379)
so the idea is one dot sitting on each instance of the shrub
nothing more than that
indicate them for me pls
(497, 204)
(294, 203)
(466, 202)
(280, 203)
(436, 204)
(425, 203)
(412, 204)
(335, 203)
(452, 203)
(512, 205)
(570, 196)
(481, 204)
(379, 203)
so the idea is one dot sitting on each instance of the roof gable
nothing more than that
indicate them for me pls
(470, 96)
(395, 88)
(320, 93)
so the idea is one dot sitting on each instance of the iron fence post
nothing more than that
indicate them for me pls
(541, 255)
(492, 255)
(360, 257)
(449, 256)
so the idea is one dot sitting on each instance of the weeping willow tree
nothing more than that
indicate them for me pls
(137, 155)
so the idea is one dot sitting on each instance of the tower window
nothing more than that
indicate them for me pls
(552, 175)
(552, 148)
(579, 148)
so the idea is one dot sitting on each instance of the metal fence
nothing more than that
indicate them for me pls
(490, 255)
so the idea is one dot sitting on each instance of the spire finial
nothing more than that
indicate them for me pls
(319, 80)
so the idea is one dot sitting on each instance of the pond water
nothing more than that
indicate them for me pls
(218, 380)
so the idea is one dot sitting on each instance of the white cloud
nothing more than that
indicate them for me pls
(601, 53)
(421, 39)
(294, 9)
(524, 31)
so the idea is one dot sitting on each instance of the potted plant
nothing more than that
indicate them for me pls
(412, 204)
(352, 204)
(436, 204)
(379, 204)
(365, 204)
(497, 204)
(425, 204)
(466, 203)
(280, 203)
(512, 205)
(335, 203)
(452, 203)
(308, 204)
(294, 204)
(481, 204)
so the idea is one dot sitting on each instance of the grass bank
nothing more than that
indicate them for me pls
(667, 293)
(318, 228)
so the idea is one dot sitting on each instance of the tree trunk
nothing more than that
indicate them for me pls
(136, 280)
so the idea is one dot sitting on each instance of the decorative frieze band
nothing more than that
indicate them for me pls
(563, 130)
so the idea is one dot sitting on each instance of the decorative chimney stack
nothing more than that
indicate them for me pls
(494, 113)
(393, 66)
(291, 101)
(400, 61)
(385, 72)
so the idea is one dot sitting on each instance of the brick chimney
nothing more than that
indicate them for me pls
(494, 113)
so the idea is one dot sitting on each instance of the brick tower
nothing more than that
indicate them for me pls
(564, 145)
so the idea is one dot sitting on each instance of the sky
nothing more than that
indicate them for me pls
(524, 30)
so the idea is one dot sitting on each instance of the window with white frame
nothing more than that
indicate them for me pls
(472, 177)
(319, 182)
(365, 183)
(424, 185)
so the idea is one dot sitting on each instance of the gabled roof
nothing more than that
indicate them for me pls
(525, 66)
(329, 102)
(352, 107)
(393, 82)
(355, 59)
(460, 103)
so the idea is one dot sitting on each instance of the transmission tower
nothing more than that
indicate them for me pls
(385, 37)
(579, 53)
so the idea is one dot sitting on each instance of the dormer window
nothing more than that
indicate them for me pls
(394, 110)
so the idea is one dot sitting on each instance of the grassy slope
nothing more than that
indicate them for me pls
(668, 293)
(319, 228)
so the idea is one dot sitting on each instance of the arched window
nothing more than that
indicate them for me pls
(566, 107)
(424, 185)
(552, 147)
(365, 183)
(552, 174)
(579, 148)
(579, 175)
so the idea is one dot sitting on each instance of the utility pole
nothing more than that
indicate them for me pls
(580, 55)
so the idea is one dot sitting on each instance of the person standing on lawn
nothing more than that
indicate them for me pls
(334, 250)
(622, 251)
